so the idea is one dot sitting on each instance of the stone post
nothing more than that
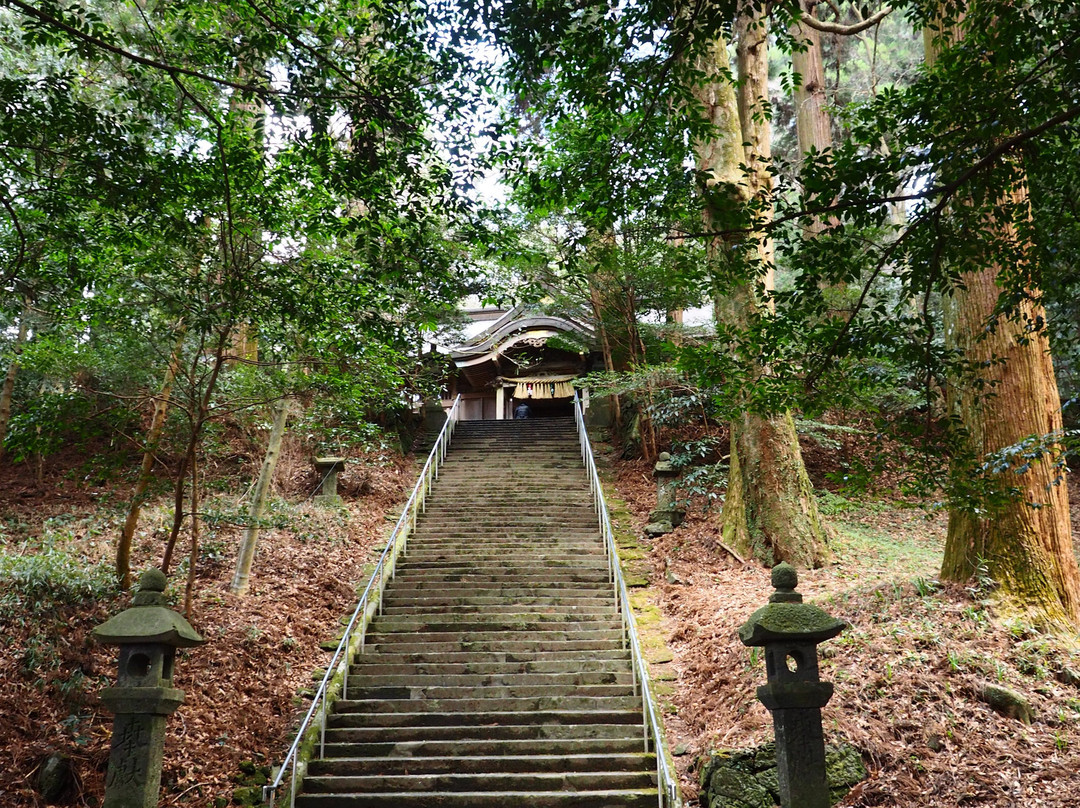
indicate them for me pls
(148, 634)
(327, 469)
(789, 631)
(667, 516)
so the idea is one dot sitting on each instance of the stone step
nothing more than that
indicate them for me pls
(509, 561)
(450, 508)
(536, 703)
(473, 495)
(483, 733)
(641, 798)
(472, 473)
(452, 601)
(515, 593)
(626, 761)
(465, 539)
(384, 691)
(468, 537)
(410, 578)
(524, 557)
(377, 667)
(486, 747)
(471, 479)
(489, 622)
(560, 475)
(479, 782)
(601, 610)
(428, 718)
(462, 542)
(593, 575)
(579, 516)
(451, 657)
(510, 643)
(434, 526)
(521, 447)
(511, 564)
(366, 679)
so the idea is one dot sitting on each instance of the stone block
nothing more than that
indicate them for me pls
(737, 778)
(1007, 702)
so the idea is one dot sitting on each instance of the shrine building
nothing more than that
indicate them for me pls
(523, 356)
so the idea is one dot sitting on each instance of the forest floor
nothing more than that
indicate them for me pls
(242, 703)
(906, 671)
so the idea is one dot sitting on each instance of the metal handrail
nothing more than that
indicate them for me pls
(363, 612)
(667, 785)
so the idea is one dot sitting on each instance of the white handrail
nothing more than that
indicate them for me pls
(395, 546)
(667, 785)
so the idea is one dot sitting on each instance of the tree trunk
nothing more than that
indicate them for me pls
(199, 417)
(13, 369)
(193, 558)
(153, 435)
(813, 125)
(1025, 545)
(246, 554)
(769, 510)
(597, 301)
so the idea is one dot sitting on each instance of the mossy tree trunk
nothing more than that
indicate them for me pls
(813, 124)
(769, 511)
(1024, 543)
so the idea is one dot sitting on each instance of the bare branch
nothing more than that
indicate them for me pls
(845, 30)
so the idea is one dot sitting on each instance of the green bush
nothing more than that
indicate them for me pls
(33, 582)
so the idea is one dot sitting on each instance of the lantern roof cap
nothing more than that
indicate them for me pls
(148, 620)
(786, 617)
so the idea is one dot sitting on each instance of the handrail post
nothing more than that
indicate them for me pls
(345, 677)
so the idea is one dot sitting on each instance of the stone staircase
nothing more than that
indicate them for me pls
(496, 674)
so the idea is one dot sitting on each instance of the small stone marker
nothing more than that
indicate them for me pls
(667, 516)
(148, 634)
(327, 469)
(1008, 702)
(789, 631)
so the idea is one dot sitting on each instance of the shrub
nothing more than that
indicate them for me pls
(34, 582)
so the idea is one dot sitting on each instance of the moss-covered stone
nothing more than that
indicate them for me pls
(787, 620)
(1007, 702)
(247, 795)
(56, 780)
(736, 778)
(733, 788)
(844, 768)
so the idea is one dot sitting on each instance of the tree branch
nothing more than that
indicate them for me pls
(14, 216)
(48, 19)
(845, 30)
(942, 192)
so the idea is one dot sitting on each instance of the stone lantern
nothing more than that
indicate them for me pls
(789, 631)
(667, 515)
(148, 634)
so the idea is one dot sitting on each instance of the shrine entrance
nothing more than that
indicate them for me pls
(525, 357)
